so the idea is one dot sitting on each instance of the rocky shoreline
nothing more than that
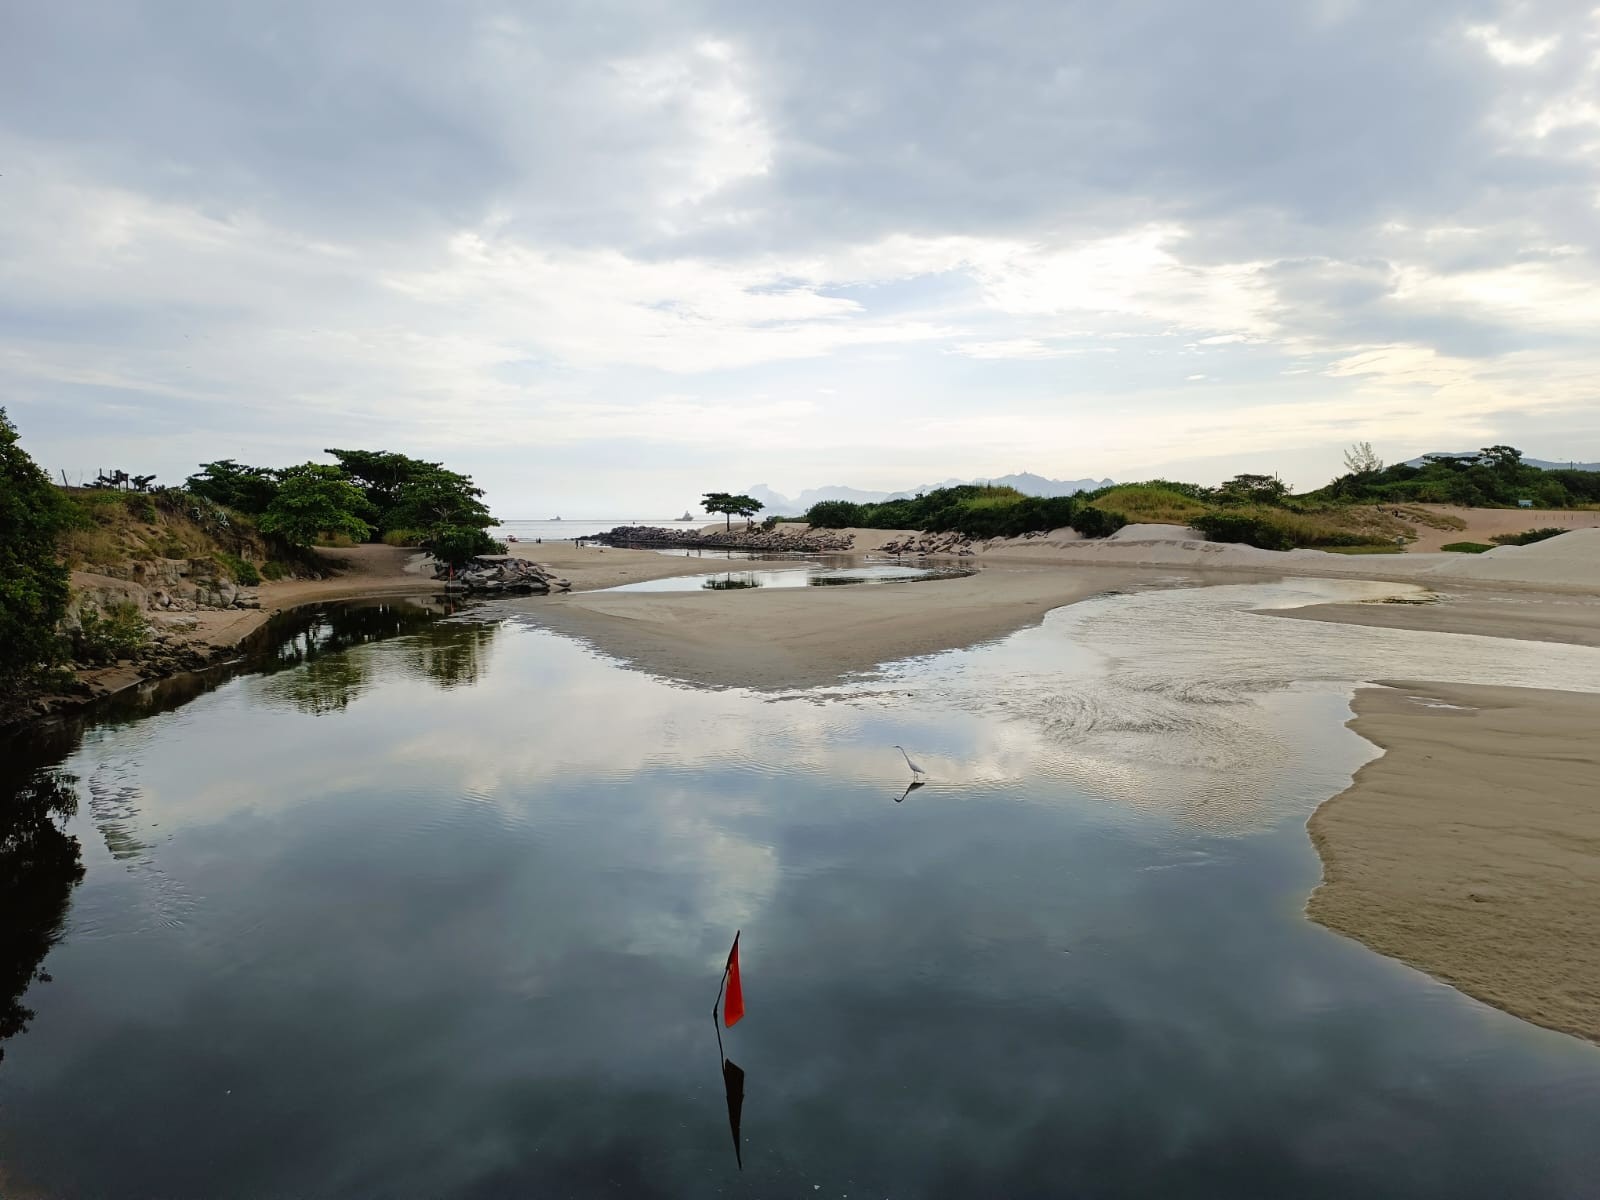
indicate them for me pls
(767, 541)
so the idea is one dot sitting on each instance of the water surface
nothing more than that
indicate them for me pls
(443, 914)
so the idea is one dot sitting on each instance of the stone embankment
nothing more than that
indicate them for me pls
(503, 573)
(160, 585)
(765, 541)
(928, 544)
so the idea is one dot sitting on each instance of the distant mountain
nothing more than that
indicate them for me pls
(1026, 483)
(1542, 464)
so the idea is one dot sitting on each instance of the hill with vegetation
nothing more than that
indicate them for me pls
(85, 571)
(1368, 508)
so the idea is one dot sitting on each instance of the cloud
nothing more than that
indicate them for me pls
(524, 238)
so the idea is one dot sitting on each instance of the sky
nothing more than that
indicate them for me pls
(606, 257)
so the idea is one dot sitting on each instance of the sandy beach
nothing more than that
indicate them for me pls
(1469, 850)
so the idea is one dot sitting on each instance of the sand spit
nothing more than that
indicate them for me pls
(808, 637)
(1471, 849)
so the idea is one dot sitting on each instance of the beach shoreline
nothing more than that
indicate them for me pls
(1467, 849)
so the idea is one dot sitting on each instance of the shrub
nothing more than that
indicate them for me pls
(273, 569)
(104, 637)
(1279, 529)
(1466, 547)
(1158, 501)
(1097, 522)
(403, 537)
(1526, 538)
(241, 572)
(834, 514)
(140, 507)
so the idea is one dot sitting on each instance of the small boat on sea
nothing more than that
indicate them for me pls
(555, 518)
(687, 516)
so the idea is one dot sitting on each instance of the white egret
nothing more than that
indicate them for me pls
(915, 770)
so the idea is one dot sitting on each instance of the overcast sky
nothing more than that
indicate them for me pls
(607, 256)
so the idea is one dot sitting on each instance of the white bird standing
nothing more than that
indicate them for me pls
(915, 770)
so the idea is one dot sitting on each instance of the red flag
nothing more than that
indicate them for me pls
(733, 1006)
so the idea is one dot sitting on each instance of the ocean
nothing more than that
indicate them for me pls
(559, 530)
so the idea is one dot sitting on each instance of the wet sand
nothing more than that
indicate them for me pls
(806, 637)
(1528, 617)
(1471, 848)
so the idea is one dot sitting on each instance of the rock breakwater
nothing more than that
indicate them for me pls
(767, 541)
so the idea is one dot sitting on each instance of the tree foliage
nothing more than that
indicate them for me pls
(970, 509)
(249, 490)
(33, 582)
(313, 500)
(731, 504)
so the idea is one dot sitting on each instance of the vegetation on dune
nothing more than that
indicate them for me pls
(970, 509)
(1527, 537)
(1466, 547)
(1158, 502)
(1495, 476)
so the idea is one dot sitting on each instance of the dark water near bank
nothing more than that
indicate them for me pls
(810, 575)
(427, 907)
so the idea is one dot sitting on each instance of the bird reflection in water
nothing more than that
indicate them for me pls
(910, 787)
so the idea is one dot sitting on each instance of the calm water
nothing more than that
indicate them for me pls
(810, 575)
(443, 914)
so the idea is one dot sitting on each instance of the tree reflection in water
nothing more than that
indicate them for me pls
(315, 673)
(40, 864)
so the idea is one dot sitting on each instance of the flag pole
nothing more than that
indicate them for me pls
(716, 1006)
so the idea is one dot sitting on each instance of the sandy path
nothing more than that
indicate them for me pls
(1471, 849)
(1484, 523)
(805, 637)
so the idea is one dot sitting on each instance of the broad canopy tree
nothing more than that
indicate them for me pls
(730, 505)
(312, 500)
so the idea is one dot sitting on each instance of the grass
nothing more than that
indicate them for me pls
(1150, 504)
(1466, 547)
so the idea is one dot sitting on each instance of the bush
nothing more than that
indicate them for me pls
(1279, 529)
(835, 514)
(1466, 547)
(242, 572)
(140, 507)
(103, 637)
(403, 537)
(1097, 522)
(1159, 501)
(457, 544)
(274, 570)
(1526, 538)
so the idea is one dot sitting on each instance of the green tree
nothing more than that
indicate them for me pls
(730, 505)
(244, 489)
(313, 499)
(1252, 489)
(447, 509)
(33, 582)
(382, 475)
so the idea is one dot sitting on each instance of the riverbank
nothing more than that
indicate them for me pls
(1468, 850)
(189, 641)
